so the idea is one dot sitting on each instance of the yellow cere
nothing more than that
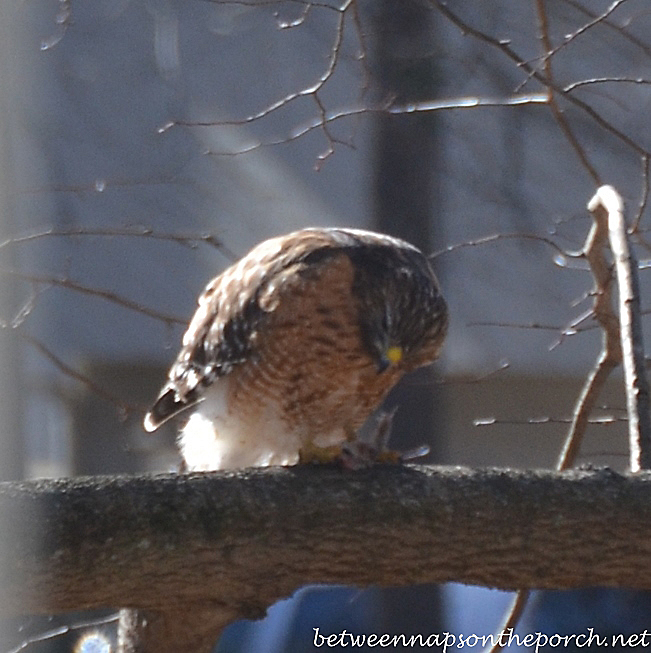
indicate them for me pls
(394, 354)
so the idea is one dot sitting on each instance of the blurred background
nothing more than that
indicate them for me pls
(145, 145)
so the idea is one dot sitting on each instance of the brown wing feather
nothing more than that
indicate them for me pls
(223, 330)
(232, 308)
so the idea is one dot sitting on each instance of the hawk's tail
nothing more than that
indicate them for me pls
(167, 406)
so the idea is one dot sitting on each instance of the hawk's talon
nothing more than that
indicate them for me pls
(373, 450)
(311, 454)
(359, 455)
(390, 457)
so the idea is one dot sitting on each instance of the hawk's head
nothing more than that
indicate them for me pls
(402, 313)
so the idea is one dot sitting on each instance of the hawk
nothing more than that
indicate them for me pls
(293, 347)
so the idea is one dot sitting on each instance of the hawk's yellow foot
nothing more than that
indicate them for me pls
(310, 453)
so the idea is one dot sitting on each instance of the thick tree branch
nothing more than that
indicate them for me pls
(237, 542)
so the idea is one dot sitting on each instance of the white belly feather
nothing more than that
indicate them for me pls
(213, 438)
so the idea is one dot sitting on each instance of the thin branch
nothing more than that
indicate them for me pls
(63, 21)
(493, 238)
(15, 326)
(610, 356)
(596, 20)
(64, 282)
(296, 22)
(605, 80)
(271, 3)
(607, 205)
(330, 71)
(494, 421)
(311, 91)
(467, 102)
(479, 378)
(99, 185)
(25, 310)
(549, 83)
(188, 240)
(428, 106)
(569, 38)
(588, 397)
(511, 619)
(63, 630)
(363, 49)
(124, 408)
(515, 325)
(644, 198)
(504, 47)
(573, 328)
(617, 28)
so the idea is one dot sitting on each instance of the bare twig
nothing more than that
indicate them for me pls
(644, 197)
(505, 47)
(549, 82)
(188, 240)
(596, 20)
(63, 21)
(500, 367)
(325, 119)
(595, 252)
(516, 325)
(271, 3)
(608, 207)
(64, 282)
(494, 421)
(63, 630)
(312, 91)
(468, 102)
(605, 80)
(363, 48)
(123, 408)
(493, 238)
(613, 26)
(511, 619)
(296, 22)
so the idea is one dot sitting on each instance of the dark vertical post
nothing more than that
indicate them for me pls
(405, 161)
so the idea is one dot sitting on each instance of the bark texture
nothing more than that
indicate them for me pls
(233, 543)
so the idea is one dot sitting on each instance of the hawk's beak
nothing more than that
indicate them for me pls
(391, 356)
